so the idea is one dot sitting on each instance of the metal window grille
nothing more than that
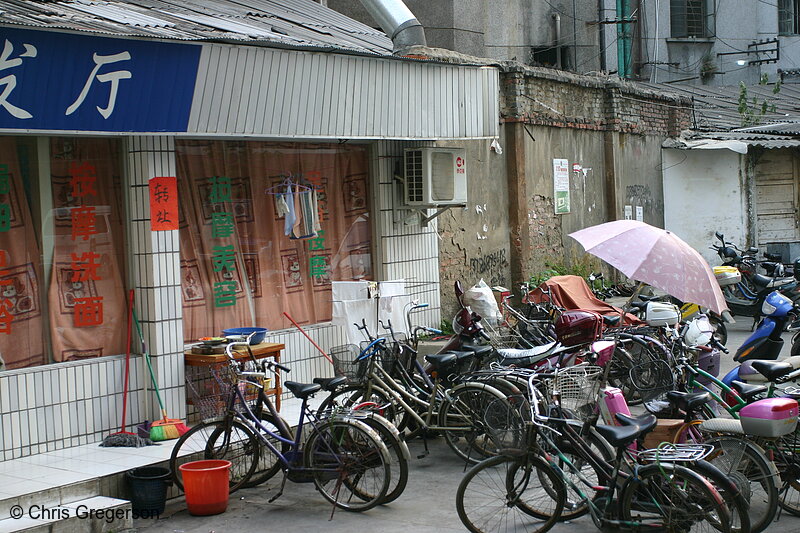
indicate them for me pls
(688, 18)
(788, 23)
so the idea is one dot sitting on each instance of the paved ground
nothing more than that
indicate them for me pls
(428, 504)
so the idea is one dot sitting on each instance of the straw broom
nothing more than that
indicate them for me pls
(166, 428)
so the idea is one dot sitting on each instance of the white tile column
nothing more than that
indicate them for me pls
(155, 272)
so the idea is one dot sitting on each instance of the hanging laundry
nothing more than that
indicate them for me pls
(291, 217)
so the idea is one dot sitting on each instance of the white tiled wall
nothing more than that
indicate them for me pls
(57, 406)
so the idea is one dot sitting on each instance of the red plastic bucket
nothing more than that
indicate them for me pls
(206, 486)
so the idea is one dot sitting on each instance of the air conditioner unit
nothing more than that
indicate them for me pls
(435, 177)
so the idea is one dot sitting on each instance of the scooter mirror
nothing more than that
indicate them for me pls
(459, 292)
(719, 236)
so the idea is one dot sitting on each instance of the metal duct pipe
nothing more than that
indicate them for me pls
(397, 21)
(557, 43)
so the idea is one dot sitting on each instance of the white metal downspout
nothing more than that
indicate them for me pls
(398, 22)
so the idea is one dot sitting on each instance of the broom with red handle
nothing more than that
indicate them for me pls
(124, 438)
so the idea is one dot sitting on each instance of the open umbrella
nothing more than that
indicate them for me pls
(654, 256)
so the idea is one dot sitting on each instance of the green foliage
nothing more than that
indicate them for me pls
(581, 265)
(753, 111)
(447, 327)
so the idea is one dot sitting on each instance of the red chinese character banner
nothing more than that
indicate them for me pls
(164, 203)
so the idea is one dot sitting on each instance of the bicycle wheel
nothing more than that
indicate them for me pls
(268, 462)
(674, 499)
(222, 439)
(738, 506)
(497, 494)
(398, 454)
(788, 462)
(357, 397)
(462, 414)
(748, 466)
(349, 464)
(574, 505)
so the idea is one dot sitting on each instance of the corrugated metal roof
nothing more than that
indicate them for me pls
(786, 128)
(302, 24)
(718, 139)
(717, 108)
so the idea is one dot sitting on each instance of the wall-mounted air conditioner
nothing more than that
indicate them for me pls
(435, 177)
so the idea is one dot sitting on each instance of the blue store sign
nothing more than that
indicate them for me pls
(60, 81)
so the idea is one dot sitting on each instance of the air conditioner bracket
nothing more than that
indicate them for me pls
(439, 210)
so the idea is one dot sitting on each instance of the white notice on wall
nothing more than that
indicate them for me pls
(628, 212)
(640, 213)
(561, 185)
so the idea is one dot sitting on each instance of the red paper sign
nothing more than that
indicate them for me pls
(164, 203)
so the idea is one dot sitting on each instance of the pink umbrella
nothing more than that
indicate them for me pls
(654, 256)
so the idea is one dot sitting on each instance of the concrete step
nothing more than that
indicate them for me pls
(98, 514)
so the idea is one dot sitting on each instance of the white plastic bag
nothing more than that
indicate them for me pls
(481, 300)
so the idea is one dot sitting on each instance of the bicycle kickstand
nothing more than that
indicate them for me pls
(427, 452)
(280, 490)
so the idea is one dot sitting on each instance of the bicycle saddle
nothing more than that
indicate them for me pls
(746, 390)
(688, 401)
(611, 320)
(646, 422)
(618, 436)
(302, 390)
(772, 370)
(441, 360)
(330, 384)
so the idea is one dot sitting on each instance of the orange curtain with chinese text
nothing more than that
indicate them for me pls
(87, 297)
(21, 341)
(270, 272)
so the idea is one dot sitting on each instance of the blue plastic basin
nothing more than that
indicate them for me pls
(258, 338)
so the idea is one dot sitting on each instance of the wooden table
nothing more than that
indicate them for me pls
(198, 365)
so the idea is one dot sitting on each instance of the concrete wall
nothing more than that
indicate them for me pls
(703, 193)
(474, 241)
(504, 30)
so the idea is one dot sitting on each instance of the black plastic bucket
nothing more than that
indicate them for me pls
(148, 490)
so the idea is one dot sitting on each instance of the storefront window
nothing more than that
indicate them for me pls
(265, 227)
(62, 251)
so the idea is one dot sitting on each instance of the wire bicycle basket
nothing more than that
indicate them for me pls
(577, 386)
(210, 396)
(345, 364)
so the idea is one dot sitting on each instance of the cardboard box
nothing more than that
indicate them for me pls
(666, 431)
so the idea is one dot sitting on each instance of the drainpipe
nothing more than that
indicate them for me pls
(557, 43)
(398, 22)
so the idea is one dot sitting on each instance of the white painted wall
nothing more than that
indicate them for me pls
(703, 193)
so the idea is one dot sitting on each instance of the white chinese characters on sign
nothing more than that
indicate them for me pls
(113, 77)
(9, 82)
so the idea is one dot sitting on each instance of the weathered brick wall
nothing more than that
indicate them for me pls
(554, 98)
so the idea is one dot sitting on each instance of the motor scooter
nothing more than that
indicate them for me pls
(766, 342)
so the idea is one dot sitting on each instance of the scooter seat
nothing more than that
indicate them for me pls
(514, 353)
(722, 425)
(618, 436)
(461, 355)
(441, 360)
(688, 401)
(647, 422)
(480, 351)
(766, 282)
(772, 370)
(746, 390)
